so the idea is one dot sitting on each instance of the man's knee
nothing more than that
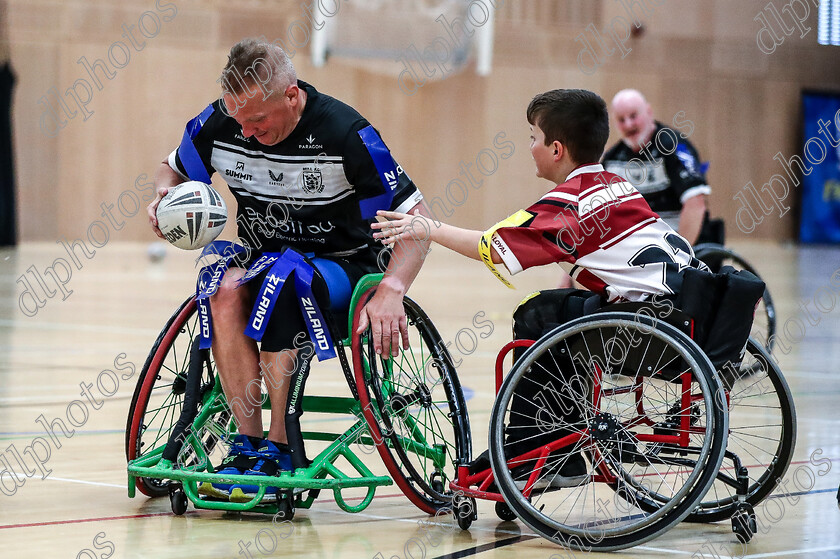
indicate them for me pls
(231, 296)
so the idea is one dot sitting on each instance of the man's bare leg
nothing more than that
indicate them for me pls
(277, 368)
(236, 354)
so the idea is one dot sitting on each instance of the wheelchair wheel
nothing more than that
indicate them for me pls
(601, 416)
(764, 326)
(415, 410)
(159, 396)
(762, 433)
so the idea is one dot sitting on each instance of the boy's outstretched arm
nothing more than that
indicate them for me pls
(401, 228)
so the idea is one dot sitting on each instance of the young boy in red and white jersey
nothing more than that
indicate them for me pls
(593, 223)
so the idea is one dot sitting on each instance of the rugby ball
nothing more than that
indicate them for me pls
(191, 215)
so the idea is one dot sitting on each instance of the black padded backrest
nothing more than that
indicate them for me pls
(712, 231)
(726, 331)
(660, 308)
(722, 306)
(647, 356)
(715, 309)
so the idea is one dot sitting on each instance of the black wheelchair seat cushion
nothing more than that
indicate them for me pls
(542, 312)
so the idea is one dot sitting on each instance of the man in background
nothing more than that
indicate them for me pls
(661, 163)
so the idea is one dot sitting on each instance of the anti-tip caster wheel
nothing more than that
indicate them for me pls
(504, 513)
(744, 523)
(177, 499)
(285, 506)
(436, 483)
(464, 510)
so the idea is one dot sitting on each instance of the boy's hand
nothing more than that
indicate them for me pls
(401, 227)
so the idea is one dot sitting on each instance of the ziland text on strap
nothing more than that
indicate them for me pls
(283, 265)
(208, 282)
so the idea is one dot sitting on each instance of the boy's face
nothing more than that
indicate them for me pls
(543, 155)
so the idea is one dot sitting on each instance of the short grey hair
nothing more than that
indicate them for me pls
(255, 61)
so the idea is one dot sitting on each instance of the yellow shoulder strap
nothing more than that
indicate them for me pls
(515, 220)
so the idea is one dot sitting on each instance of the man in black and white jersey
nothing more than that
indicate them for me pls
(661, 163)
(308, 172)
(308, 186)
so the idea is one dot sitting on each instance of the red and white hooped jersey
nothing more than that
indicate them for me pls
(601, 230)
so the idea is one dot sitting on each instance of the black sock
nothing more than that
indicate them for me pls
(282, 447)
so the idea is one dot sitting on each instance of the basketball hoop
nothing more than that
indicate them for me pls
(433, 39)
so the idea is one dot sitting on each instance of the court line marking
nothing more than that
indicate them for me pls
(80, 520)
(69, 480)
(518, 536)
(26, 401)
(442, 525)
(84, 482)
(511, 541)
(40, 434)
(103, 484)
(490, 546)
(77, 327)
(671, 551)
(791, 552)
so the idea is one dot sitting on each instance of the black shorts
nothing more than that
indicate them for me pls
(332, 286)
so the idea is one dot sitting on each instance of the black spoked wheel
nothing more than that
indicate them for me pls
(762, 434)
(415, 411)
(764, 325)
(626, 428)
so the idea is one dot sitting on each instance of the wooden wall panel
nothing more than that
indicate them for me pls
(697, 57)
(734, 20)
(36, 155)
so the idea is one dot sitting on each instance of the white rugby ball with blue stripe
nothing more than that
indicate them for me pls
(191, 215)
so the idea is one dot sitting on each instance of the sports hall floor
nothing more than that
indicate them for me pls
(119, 302)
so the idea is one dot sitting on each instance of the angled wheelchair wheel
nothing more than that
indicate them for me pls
(600, 418)
(762, 434)
(160, 394)
(415, 410)
(764, 325)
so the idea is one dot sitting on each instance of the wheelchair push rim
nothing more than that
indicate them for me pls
(415, 409)
(625, 470)
(762, 433)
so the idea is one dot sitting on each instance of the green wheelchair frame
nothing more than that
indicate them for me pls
(420, 428)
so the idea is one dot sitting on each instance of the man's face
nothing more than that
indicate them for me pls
(543, 155)
(270, 120)
(634, 119)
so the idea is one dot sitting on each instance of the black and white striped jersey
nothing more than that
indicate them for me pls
(305, 191)
(667, 172)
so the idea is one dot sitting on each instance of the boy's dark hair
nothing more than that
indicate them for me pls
(577, 118)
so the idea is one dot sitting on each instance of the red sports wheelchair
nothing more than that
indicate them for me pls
(660, 434)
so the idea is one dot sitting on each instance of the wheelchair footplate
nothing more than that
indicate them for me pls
(297, 489)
